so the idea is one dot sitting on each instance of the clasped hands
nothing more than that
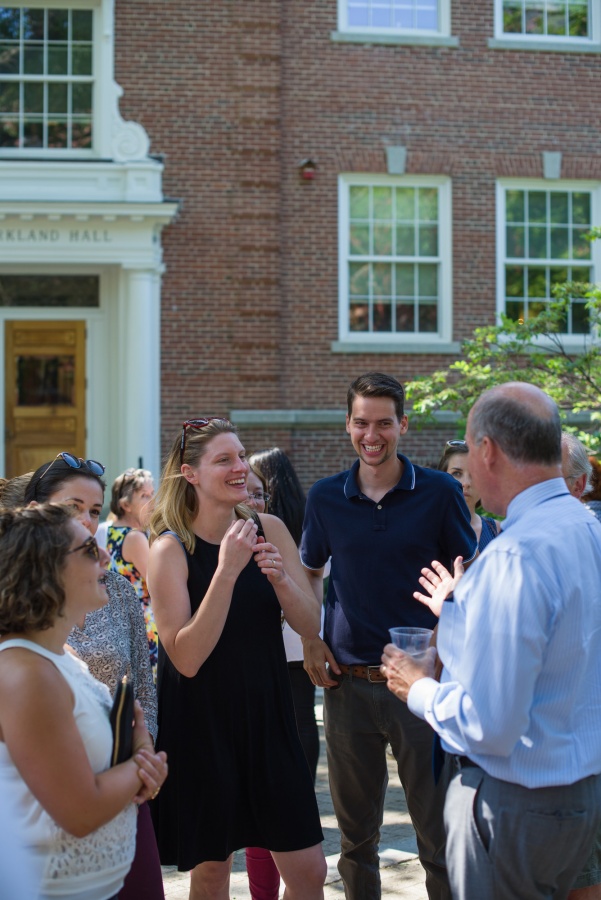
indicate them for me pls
(241, 542)
(152, 767)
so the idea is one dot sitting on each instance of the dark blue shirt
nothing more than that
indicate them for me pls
(378, 551)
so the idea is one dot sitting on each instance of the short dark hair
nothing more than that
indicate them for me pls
(45, 481)
(34, 543)
(377, 384)
(521, 429)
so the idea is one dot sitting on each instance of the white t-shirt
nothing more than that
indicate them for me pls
(88, 868)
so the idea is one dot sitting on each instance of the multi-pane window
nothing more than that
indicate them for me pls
(46, 78)
(547, 18)
(402, 15)
(392, 258)
(545, 245)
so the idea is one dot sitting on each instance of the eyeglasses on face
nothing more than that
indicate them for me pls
(90, 548)
(259, 496)
(197, 424)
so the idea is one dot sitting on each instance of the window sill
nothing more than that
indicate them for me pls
(544, 45)
(444, 347)
(288, 418)
(417, 40)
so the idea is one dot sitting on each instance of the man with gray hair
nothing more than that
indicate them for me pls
(577, 469)
(518, 707)
(575, 465)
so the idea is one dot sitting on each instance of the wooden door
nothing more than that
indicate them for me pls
(45, 392)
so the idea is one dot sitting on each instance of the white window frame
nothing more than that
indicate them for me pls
(393, 341)
(540, 184)
(367, 34)
(561, 43)
(104, 93)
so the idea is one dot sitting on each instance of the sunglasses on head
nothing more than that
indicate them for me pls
(75, 462)
(456, 443)
(197, 424)
(90, 548)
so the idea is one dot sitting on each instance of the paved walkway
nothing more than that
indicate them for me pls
(402, 875)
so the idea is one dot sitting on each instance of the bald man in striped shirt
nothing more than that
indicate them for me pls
(518, 708)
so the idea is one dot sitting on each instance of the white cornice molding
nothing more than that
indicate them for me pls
(51, 234)
(28, 181)
(108, 212)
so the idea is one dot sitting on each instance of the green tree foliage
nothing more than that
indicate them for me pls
(534, 350)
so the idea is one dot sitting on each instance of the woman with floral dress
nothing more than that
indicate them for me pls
(127, 542)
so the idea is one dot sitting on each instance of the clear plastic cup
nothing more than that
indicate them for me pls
(414, 641)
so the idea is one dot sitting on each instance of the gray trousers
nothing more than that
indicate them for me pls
(508, 842)
(360, 719)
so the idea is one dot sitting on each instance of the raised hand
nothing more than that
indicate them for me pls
(439, 583)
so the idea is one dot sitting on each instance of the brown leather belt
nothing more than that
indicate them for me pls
(369, 673)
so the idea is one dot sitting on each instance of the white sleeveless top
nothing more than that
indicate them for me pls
(92, 867)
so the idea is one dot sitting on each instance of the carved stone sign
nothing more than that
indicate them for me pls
(55, 235)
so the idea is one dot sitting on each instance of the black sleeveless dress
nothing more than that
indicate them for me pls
(237, 773)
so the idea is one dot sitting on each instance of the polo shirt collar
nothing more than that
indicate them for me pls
(405, 483)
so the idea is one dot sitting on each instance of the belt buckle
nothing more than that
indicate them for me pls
(370, 669)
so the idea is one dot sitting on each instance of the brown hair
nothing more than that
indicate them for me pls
(125, 486)
(34, 543)
(450, 450)
(258, 474)
(12, 491)
(377, 384)
(594, 481)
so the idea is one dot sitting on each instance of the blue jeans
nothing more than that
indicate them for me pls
(360, 719)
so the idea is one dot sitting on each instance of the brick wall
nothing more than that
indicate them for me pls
(234, 95)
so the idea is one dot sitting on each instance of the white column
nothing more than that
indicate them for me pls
(140, 343)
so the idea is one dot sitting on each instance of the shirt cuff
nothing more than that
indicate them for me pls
(421, 696)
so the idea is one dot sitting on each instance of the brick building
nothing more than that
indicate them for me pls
(287, 194)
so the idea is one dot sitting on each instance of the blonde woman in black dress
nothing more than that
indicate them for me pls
(238, 773)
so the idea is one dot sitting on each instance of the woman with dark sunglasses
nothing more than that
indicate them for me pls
(239, 777)
(75, 813)
(111, 640)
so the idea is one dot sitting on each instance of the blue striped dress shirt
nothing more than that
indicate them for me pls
(521, 646)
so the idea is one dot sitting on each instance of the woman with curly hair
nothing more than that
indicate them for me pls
(77, 814)
(110, 640)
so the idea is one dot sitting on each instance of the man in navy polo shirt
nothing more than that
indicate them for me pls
(381, 522)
